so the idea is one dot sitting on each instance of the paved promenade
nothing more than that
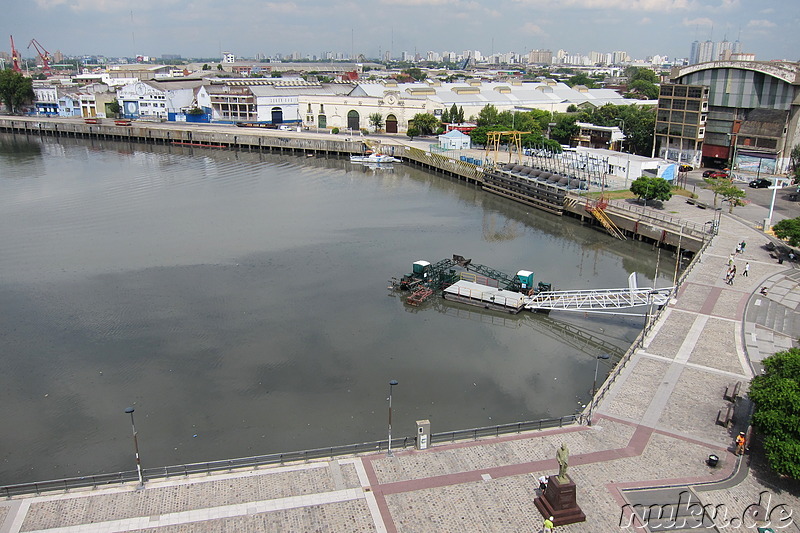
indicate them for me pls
(655, 427)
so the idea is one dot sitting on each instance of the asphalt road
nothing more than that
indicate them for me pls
(784, 206)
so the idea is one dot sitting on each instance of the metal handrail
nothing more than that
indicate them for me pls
(638, 343)
(165, 472)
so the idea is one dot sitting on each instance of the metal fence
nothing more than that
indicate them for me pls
(166, 472)
(583, 418)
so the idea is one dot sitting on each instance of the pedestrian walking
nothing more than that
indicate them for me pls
(548, 525)
(746, 270)
(543, 483)
(742, 245)
(730, 260)
(733, 270)
(740, 442)
(738, 249)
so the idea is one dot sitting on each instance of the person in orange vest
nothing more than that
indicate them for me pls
(740, 441)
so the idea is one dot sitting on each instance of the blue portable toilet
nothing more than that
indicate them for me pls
(525, 278)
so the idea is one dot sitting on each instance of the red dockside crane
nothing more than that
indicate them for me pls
(14, 57)
(44, 55)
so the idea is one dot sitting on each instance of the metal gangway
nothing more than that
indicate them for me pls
(599, 300)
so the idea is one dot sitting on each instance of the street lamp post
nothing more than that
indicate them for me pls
(130, 410)
(594, 383)
(392, 383)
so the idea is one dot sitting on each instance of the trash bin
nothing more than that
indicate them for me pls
(712, 460)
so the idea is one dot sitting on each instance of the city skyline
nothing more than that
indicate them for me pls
(205, 28)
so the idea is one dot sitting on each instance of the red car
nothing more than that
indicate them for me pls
(716, 174)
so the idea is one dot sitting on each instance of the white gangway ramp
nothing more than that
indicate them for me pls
(599, 300)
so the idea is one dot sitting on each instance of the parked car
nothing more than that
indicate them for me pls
(760, 183)
(685, 168)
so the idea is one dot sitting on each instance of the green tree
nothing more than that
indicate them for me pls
(717, 186)
(644, 88)
(219, 67)
(572, 108)
(776, 394)
(488, 116)
(206, 67)
(460, 114)
(639, 122)
(446, 116)
(732, 194)
(412, 132)
(376, 120)
(640, 73)
(15, 90)
(647, 188)
(415, 73)
(454, 116)
(425, 123)
(788, 230)
(113, 108)
(564, 129)
(478, 135)
(581, 79)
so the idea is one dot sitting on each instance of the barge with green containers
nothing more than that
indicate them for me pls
(459, 279)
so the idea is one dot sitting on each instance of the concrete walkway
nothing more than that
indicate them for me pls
(655, 427)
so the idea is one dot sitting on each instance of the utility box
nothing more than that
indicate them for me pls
(423, 434)
(525, 278)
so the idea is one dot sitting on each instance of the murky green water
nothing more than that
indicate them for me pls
(239, 301)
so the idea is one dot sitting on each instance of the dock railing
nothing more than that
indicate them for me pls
(254, 462)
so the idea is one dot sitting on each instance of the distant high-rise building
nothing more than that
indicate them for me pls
(540, 57)
(703, 52)
(228, 57)
(619, 57)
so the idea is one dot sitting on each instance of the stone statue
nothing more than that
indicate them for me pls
(562, 456)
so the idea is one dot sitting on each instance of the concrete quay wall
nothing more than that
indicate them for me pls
(637, 223)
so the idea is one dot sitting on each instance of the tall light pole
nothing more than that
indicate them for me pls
(594, 383)
(130, 410)
(392, 383)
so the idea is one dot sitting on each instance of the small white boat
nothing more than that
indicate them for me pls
(373, 158)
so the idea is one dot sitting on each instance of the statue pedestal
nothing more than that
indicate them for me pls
(559, 501)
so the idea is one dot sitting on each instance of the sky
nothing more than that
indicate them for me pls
(204, 28)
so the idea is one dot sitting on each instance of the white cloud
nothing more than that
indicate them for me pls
(103, 6)
(625, 5)
(645, 20)
(282, 7)
(767, 11)
(419, 2)
(532, 29)
(702, 21)
(761, 23)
